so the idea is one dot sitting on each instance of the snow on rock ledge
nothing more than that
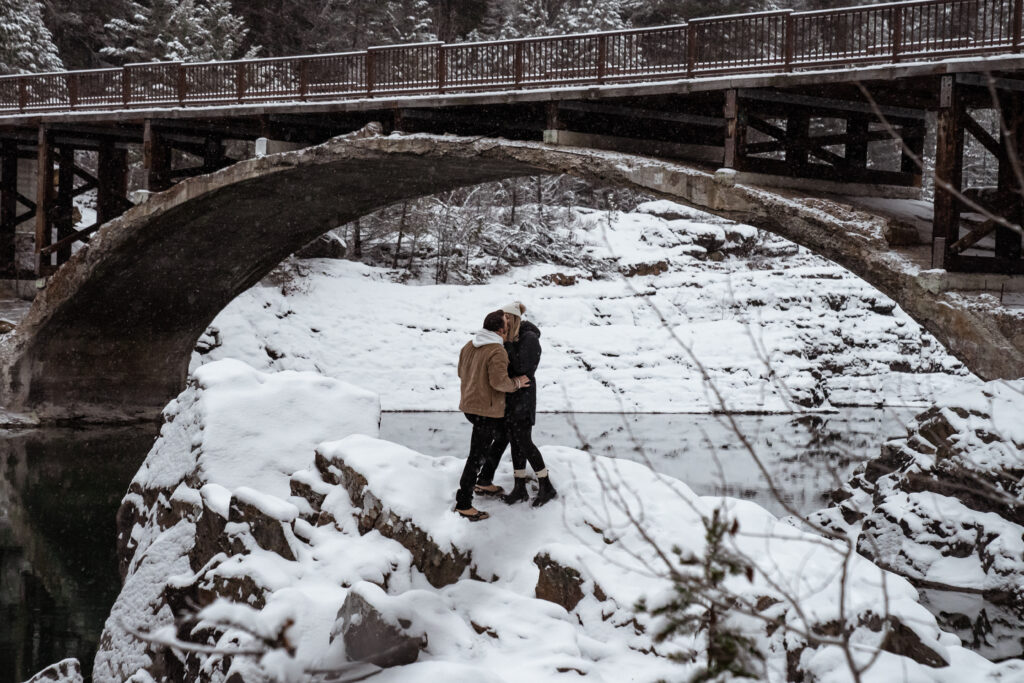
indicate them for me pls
(942, 505)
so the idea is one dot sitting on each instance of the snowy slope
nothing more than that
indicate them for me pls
(679, 293)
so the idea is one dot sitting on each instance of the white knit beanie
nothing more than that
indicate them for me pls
(515, 308)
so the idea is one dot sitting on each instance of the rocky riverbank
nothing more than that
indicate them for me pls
(942, 507)
(271, 536)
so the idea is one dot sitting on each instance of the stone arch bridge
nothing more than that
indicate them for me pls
(110, 336)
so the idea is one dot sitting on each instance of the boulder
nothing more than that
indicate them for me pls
(370, 636)
(440, 566)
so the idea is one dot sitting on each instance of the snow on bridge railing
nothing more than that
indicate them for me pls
(763, 42)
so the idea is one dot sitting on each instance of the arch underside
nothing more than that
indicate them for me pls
(111, 335)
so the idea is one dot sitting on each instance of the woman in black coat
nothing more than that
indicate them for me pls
(523, 350)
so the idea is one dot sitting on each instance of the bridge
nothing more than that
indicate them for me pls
(829, 102)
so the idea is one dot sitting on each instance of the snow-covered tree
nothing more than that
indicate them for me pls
(169, 30)
(25, 43)
(524, 18)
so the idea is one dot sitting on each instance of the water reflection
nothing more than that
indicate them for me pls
(59, 494)
(806, 455)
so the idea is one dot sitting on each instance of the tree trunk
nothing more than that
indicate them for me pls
(401, 229)
(357, 242)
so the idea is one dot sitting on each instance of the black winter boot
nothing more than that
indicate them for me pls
(518, 493)
(546, 493)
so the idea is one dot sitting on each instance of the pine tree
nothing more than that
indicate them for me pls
(25, 43)
(169, 30)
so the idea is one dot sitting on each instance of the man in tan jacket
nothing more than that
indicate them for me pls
(483, 370)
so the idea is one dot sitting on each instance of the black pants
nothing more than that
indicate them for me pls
(486, 430)
(520, 435)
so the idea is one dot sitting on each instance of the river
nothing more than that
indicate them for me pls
(60, 490)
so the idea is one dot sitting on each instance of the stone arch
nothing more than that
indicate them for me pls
(111, 335)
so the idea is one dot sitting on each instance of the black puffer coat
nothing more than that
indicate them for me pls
(523, 358)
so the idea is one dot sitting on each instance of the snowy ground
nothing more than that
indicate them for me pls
(775, 328)
(236, 443)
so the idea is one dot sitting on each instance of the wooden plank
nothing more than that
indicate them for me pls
(112, 174)
(642, 113)
(75, 236)
(735, 132)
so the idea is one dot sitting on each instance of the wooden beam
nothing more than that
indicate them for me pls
(973, 237)
(8, 204)
(64, 208)
(112, 174)
(1010, 186)
(156, 159)
(44, 199)
(642, 113)
(830, 105)
(949, 159)
(75, 236)
(982, 136)
(798, 133)
(859, 135)
(735, 132)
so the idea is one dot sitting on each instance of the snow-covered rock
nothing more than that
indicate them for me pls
(268, 504)
(942, 506)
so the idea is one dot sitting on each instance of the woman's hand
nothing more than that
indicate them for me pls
(523, 381)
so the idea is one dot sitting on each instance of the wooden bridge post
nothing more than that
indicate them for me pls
(798, 130)
(949, 160)
(735, 131)
(112, 188)
(8, 204)
(1011, 142)
(156, 159)
(64, 207)
(44, 201)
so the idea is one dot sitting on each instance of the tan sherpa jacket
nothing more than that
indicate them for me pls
(485, 381)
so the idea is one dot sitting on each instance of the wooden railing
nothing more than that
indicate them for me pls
(761, 42)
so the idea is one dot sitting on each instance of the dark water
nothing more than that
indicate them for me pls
(59, 494)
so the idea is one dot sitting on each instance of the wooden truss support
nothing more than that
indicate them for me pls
(954, 122)
(44, 201)
(797, 150)
(1011, 178)
(735, 132)
(64, 207)
(949, 161)
(8, 205)
(156, 159)
(111, 182)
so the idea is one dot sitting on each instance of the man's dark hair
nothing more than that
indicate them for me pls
(494, 321)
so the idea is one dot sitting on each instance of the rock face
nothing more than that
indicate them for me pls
(942, 506)
(440, 566)
(64, 671)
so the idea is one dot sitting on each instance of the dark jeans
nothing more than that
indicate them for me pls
(485, 431)
(520, 435)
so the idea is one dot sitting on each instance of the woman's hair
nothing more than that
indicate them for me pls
(513, 326)
(494, 321)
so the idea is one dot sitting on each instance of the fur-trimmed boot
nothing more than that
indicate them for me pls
(546, 493)
(518, 493)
